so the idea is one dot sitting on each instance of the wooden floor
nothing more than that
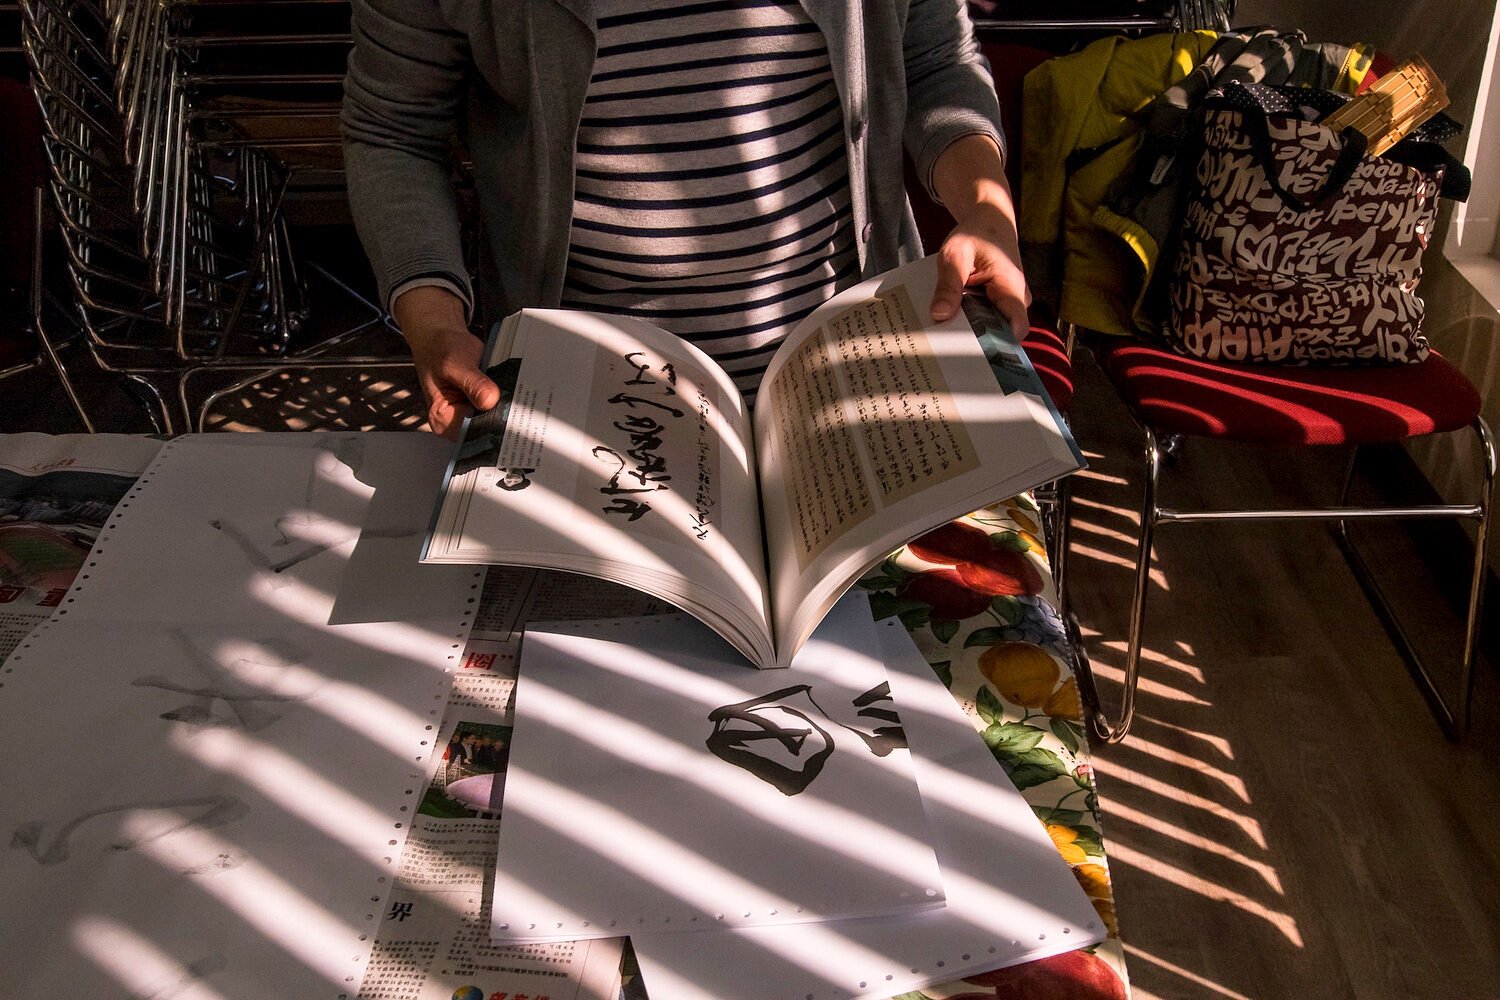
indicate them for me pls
(1285, 820)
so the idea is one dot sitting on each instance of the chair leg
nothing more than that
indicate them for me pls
(1454, 719)
(1055, 515)
(38, 291)
(1114, 732)
(154, 403)
(62, 373)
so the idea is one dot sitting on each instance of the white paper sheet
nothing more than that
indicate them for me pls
(632, 803)
(207, 785)
(1010, 898)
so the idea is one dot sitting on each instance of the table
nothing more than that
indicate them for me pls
(977, 596)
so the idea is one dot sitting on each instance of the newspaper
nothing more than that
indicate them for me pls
(433, 941)
(56, 492)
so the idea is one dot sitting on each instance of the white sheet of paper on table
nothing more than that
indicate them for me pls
(1010, 898)
(619, 817)
(206, 783)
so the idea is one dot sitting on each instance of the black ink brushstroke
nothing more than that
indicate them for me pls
(882, 739)
(222, 685)
(218, 810)
(733, 746)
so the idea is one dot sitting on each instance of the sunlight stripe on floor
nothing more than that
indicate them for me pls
(1117, 810)
(1134, 953)
(1115, 772)
(1284, 923)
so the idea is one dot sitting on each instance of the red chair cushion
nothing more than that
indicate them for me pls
(1271, 404)
(1049, 356)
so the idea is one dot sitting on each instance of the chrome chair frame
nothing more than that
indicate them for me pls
(172, 214)
(1454, 719)
(37, 301)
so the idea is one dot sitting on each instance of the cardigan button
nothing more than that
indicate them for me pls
(864, 234)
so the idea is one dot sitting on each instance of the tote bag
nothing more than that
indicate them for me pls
(1297, 248)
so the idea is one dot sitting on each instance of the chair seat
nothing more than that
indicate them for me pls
(1271, 404)
(1048, 354)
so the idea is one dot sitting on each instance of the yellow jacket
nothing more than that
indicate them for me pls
(1082, 114)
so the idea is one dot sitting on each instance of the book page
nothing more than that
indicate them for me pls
(622, 453)
(901, 418)
(876, 424)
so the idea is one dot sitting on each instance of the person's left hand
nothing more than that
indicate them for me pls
(983, 251)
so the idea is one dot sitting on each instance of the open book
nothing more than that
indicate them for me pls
(622, 452)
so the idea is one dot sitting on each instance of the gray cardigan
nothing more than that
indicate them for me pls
(517, 70)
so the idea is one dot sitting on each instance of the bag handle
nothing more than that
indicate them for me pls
(1354, 146)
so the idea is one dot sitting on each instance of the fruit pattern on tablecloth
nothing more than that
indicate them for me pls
(978, 597)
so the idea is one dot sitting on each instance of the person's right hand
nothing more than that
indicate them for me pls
(446, 356)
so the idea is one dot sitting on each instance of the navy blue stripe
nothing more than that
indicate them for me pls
(724, 170)
(739, 59)
(694, 258)
(688, 10)
(664, 316)
(578, 285)
(732, 197)
(702, 114)
(706, 38)
(788, 321)
(699, 88)
(716, 142)
(717, 229)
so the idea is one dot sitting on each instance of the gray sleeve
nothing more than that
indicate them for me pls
(432, 281)
(949, 91)
(405, 85)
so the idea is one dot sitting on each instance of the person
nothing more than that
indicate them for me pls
(456, 757)
(718, 168)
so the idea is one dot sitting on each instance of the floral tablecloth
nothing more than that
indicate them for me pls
(978, 597)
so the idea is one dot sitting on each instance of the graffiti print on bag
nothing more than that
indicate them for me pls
(1260, 278)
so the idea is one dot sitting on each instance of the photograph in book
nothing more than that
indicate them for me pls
(470, 781)
(621, 452)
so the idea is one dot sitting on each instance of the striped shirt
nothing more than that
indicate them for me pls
(712, 187)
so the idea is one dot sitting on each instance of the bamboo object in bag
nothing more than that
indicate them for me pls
(1394, 107)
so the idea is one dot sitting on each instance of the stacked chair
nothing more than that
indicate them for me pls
(23, 343)
(176, 132)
